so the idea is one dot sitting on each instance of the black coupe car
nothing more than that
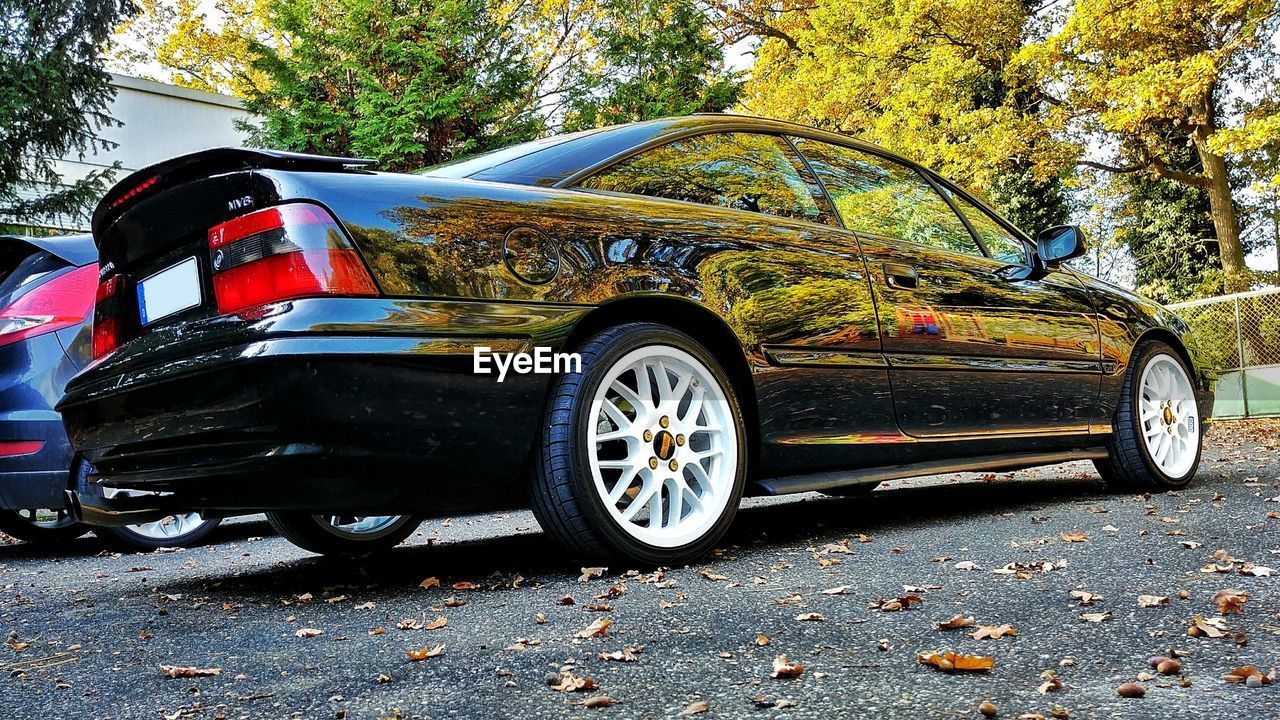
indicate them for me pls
(753, 306)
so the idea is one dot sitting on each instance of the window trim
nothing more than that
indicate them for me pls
(575, 183)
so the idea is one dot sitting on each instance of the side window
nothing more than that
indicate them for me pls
(876, 195)
(745, 171)
(1002, 244)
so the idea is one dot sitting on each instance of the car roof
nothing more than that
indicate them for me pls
(76, 249)
(556, 160)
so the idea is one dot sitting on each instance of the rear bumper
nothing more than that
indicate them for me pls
(327, 404)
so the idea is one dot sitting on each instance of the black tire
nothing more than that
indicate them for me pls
(1129, 465)
(17, 525)
(563, 495)
(126, 539)
(311, 533)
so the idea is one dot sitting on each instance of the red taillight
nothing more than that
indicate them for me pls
(135, 191)
(10, 448)
(106, 316)
(62, 302)
(284, 253)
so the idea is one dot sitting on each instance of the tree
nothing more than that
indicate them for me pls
(933, 79)
(200, 45)
(54, 103)
(1124, 69)
(404, 82)
(654, 58)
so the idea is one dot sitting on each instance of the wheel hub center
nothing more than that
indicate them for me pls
(664, 445)
(1168, 416)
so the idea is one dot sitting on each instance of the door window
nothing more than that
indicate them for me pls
(877, 195)
(744, 171)
(1002, 244)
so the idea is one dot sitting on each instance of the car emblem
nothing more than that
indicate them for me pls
(664, 445)
(217, 259)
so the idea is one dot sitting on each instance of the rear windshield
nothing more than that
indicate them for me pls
(21, 268)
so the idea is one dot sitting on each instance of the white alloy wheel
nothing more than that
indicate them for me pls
(662, 445)
(361, 527)
(168, 527)
(1169, 417)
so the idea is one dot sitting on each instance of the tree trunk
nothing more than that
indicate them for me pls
(1225, 225)
(1221, 208)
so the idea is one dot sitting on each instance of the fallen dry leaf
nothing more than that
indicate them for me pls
(598, 628)
(1085, 597)
(453, 602)
(1073, 536)
(308, 632)
(430, 582)
(465, 585)
(590, 573)
(626, 654)
(841, 590)
(784, 668)
(572, 683)
(424, 653)
(1243, 673)
(955, 623)
(598, 701)
(966, 565)
(993, 631)
(178, 671)
(762, 640)
(951, 662)
(1052, 683)
(811, 617)
(697, 707)
(1256, 570)
(1212, 627)
(895, 604)
(1095, 617)
(1148, 601)
(1230, 600)
(436, 624)
(713, 577)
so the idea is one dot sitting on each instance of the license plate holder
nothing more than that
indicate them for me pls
(170, 291)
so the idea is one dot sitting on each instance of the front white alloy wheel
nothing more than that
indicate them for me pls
(662, 446)
(1168, 415)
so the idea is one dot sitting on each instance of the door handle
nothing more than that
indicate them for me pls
(901, 276)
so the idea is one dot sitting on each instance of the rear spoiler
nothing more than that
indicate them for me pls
(75, 249)
(203, 164)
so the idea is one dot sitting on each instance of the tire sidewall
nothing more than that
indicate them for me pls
(1149, 352)
(594, 369)
(126, 539)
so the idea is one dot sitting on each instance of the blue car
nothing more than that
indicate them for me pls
(47, 287)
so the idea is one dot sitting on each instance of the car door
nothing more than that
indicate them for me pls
(975, 344)
(773, 262)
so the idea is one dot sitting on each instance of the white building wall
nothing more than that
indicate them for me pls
(159, 121)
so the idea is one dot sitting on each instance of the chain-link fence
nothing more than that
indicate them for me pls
(1240, 336)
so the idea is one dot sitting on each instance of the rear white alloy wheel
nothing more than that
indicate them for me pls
(168, 527)
(361, 527)
(1169, 417)
(662, 446)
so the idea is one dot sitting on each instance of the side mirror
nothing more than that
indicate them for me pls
(1060, 243)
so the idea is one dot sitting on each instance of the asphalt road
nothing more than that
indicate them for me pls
(94, 628)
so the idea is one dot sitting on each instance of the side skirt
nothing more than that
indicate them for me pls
(1013, 461)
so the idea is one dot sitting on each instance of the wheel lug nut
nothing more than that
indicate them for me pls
(648, 436)
(680, 440)
(674, 465)
(653, 463)
(664, 421)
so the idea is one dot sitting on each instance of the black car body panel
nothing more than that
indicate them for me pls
(33, 373)
(371, 404)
